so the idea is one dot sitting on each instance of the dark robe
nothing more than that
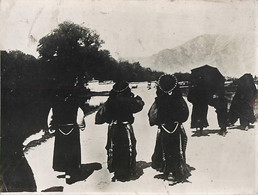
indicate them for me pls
(67, 148)
(121, 143)
(208, 90)
(199, 98)
(168, 113)
(121, 149)
(243, 101)
(219, 102)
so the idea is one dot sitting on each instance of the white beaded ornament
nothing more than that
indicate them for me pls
(169, 92)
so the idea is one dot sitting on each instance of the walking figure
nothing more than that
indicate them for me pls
(198, 95)
(118, 112)
(207, 90)
(243, 102)
(66, 121)
(168, 112)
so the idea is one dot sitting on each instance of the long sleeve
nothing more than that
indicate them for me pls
(153, 115)
(80, 118)
(183, 113)
(50, 117)
(101, 116)
(137, 105)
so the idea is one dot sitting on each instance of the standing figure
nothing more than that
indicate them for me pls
(118, 111)
(243, 102)
(199, 97)
(168, 112)
(67, 119)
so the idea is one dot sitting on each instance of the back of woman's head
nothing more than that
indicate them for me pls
(120, 88)
(168, 87)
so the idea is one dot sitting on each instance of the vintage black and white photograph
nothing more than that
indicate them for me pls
(129, 97)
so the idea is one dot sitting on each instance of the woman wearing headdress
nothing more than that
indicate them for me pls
(66, 118)
(168, 112)
(243, 102)
(118, 112)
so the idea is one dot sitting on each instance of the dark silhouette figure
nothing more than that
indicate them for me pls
(20, 118)
(199, 97)
(66, 121)
(118, 111)
(17, 175)
(207, 89)
(168, 112)
(17, 122)
(243, 102)
(219, 102)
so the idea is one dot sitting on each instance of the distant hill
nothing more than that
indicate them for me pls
(232, 55)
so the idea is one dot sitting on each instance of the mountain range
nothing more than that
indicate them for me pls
(233, 55)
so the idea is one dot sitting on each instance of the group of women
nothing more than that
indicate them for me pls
(168, 112)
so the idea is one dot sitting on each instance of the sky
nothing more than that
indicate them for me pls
(130, 28)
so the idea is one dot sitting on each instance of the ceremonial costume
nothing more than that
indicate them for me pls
(168, 112)
(118, 111)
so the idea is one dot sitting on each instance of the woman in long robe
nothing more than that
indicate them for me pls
(66, 121)
(118, 112)
(168, 112)
(243, 102)
(199, 98)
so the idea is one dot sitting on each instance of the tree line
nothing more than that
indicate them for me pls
(72, 51)
(67, 55)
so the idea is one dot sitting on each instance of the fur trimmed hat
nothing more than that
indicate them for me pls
(120, 86)
(167, 83)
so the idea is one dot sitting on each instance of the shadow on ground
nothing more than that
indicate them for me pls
(54, 189)
(140, 165)
(239, 127)
(172, 179)
(85, 171)
(205, 132)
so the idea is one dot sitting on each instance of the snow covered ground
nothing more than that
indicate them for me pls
(223, 165)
